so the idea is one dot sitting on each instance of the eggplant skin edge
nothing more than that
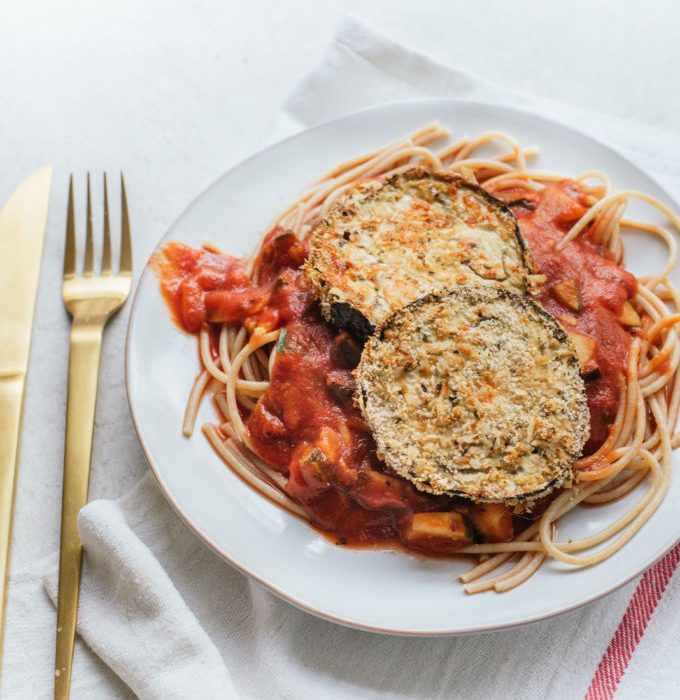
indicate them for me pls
(346, 317)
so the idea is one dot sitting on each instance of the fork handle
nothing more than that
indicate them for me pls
(83, 373)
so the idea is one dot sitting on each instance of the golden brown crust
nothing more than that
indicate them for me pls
(387, 243)
(475, 392)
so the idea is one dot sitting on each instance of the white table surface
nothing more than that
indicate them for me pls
(175, 92)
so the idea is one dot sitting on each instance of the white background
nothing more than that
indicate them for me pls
(175, 92)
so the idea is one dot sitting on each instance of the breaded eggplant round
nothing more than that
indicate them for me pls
(475, 392)
(389, 242)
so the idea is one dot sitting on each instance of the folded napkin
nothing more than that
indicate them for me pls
(162, 618)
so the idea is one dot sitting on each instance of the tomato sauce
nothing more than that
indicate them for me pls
(601, 288)
(306, 425)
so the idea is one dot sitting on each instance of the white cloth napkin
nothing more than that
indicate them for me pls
(162, 617)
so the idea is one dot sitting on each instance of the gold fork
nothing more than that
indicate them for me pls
(91, 300)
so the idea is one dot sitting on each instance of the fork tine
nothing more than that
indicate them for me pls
(125, 241)
(70, 247)
(88, 266)
(106, 250)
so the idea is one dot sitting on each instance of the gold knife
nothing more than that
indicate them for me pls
(22, 232)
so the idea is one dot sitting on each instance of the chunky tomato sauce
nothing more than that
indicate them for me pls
(306, 425)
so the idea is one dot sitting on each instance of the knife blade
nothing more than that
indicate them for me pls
(22, 232)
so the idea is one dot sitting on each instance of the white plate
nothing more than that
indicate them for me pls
(385, 591)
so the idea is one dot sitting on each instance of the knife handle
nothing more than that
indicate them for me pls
(11, 399)
(83, 373)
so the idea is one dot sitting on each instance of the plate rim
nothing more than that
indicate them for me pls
(207, 540)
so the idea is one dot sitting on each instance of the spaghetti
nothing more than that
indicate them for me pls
(636, 398)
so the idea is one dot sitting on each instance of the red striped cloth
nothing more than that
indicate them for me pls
(632, 627)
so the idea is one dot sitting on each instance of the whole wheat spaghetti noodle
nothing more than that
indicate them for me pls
(635, 457)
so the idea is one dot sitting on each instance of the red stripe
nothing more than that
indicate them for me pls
(632, 627)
